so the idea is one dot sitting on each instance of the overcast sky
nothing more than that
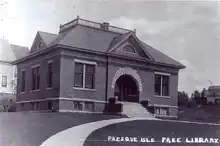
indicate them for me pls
(187, 31)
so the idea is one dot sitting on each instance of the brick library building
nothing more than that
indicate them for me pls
(87, 63)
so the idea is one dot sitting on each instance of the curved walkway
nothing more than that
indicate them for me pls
(76, 136)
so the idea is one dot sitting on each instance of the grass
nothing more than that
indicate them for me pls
(153, 129)
(205, 113)
(31, 129)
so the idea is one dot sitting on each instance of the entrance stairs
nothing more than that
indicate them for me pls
(136, 110)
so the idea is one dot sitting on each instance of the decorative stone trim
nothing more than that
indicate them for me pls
(160, 96)
(127, 71)
(161, 105)
(62, 98)
(85, 89)
(49, 61)
(85, 62)
(162, 73)
(76, 111)
(23, 69)
(36, 65)
(165, 116)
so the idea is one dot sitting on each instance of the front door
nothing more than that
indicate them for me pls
(126, 89)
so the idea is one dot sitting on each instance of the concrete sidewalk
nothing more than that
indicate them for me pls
(76, 136)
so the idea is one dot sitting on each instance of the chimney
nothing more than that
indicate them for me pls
(104, 25)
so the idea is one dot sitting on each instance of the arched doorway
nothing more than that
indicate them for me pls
(126, 89)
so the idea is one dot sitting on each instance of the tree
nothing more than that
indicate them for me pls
(200, 98)
(203, 94)
(197, 94)
(183, 98)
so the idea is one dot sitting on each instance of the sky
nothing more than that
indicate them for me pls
(188, 31)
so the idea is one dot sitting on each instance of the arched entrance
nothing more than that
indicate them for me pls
(126, 89)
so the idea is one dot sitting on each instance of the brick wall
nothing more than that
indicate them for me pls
(64, 79)
(43, 93)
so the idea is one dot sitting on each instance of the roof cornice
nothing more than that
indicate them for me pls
(34, 54)
(120, 56)
(5, 62)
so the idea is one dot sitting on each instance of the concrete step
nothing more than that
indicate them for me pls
(133, 110)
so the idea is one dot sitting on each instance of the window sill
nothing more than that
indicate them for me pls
(84, 89)
(159, 96)
(35, 90)
(49, 88)
(22, 92)
(165, 116)
(161, 115)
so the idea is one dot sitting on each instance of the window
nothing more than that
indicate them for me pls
(162, 111)
(78, 105)
(157, 87)
(4, 81)
(84, 76)
(32, 105)
(50, 75)
(78, 79)
(217, 101)
(50, 105)
(89, 106)
(157, 111)
(22, 105)
(128, 48)
(161, 87)
(89, 76)
(23, 81)
(15, 72)
(36, 105)
(36, 78)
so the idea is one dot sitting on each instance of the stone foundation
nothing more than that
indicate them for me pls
(62, 105)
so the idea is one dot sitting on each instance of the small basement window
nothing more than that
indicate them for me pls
(50, 105)
(162, 111)
(22, 105)
(78, 105)
(89, 106)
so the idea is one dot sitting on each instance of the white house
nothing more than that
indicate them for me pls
(8, 72)
(213, 95)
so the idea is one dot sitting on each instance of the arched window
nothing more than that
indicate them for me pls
(128, 48)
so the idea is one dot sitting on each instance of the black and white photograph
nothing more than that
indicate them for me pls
(109, 73)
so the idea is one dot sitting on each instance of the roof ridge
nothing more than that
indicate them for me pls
(19, 45)
(60, 36)
(46, 32)
(126, 35)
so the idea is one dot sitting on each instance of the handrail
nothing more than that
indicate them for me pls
(92, 24)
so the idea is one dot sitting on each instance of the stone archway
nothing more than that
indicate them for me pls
(130, 72)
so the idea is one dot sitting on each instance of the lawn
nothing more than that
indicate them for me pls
(31, 129)
(151, 129)
(205, 113)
